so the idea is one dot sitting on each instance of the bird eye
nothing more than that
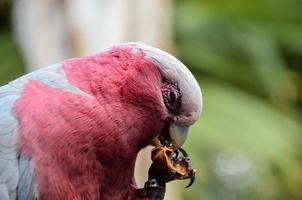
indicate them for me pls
(171, 96)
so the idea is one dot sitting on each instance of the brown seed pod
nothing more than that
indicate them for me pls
(167, 161)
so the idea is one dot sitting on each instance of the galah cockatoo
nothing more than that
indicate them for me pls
(73, 130)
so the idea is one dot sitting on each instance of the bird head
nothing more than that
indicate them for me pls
(181, 98)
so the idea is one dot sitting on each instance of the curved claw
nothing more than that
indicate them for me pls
(184, 153)
(191, 182)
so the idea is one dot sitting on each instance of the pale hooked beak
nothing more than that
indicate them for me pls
(178, 135)
(172, 135)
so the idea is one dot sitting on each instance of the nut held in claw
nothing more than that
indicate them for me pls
(169, 162)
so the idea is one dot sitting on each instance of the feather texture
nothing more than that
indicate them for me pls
(9, 170)
(15, 169)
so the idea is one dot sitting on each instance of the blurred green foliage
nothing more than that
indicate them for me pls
(11, 64)
(248, 58)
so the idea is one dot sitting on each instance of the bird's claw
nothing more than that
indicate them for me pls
(192, 179)
(169, 165)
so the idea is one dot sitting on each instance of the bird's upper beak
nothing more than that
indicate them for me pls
(172, 135)
(178, 135)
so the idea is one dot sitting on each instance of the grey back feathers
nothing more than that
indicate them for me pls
(9, 170)
(26, 186)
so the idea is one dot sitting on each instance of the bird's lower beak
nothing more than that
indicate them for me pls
(172, 135)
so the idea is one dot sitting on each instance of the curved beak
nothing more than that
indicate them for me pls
(178, 135)
(172, 135)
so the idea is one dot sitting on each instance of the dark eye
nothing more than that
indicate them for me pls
(172, 97)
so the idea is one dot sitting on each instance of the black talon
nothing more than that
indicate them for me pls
(186, 157)
(191, 181)
(184, 153)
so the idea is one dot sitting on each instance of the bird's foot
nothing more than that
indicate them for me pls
(168, 165)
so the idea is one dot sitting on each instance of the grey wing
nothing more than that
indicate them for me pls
(16, 173)
(26, 187)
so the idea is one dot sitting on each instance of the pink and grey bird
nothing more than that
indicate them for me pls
(73, 130)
